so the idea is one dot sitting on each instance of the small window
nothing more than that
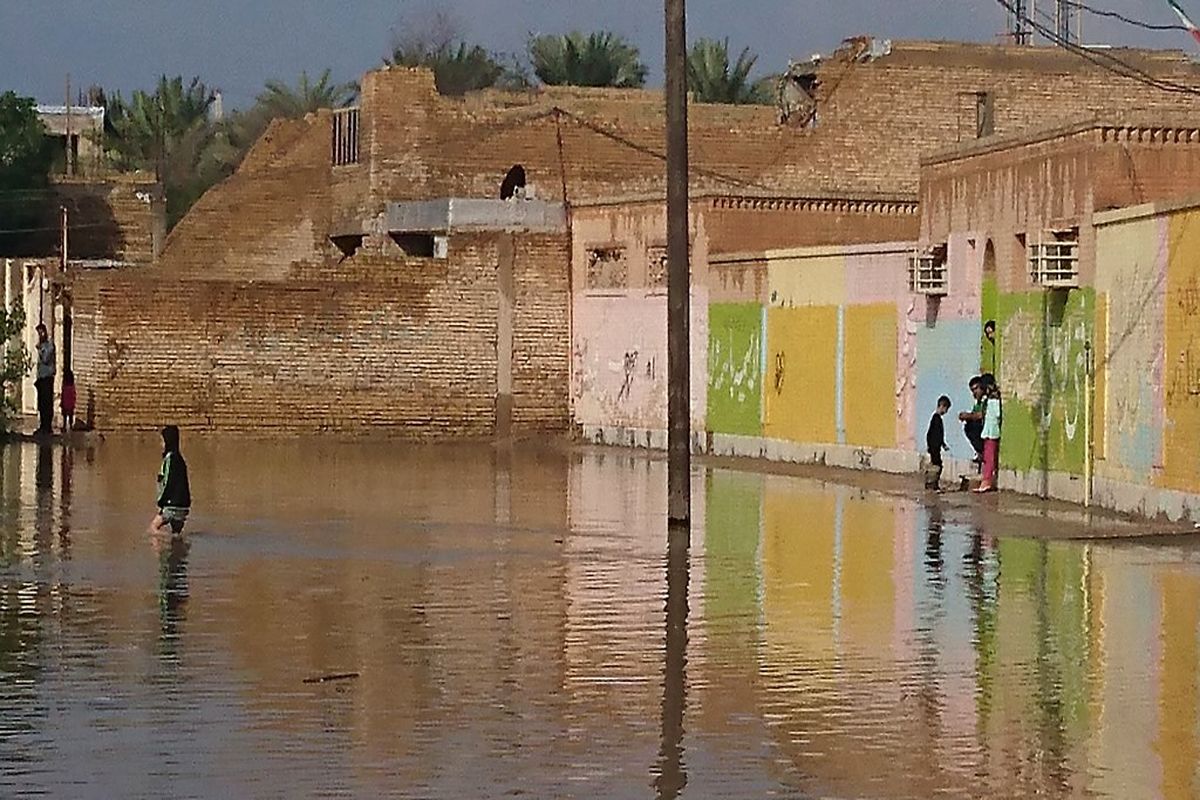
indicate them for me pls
(607, 268)
(1054, 260)
(985, 115)
(345, 136)
(347, 245)
(656, 267)
(927, 273)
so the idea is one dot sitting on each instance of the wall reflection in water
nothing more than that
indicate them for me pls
(517, 620)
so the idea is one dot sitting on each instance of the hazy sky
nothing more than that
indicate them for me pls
(235, 45)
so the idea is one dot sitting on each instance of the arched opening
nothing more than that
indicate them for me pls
(513, 185)
(989, 345)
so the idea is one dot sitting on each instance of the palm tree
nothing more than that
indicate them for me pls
(712, 79)
(144, 129)
(457, 69)
(281, 100)
(597, 59)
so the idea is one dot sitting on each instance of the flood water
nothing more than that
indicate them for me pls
(515, 624)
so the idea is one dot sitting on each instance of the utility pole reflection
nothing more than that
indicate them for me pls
(672, 775)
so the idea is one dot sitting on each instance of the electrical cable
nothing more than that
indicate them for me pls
(1101, 58)
(1103, 12)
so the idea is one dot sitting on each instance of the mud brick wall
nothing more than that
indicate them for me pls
(274, 211)
(403, 346)
(118, 217)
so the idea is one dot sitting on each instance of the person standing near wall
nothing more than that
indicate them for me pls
(44, 383)
(992, 418)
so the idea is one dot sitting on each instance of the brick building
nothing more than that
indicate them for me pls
(318, 197)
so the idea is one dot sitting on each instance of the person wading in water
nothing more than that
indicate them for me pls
(174, 493)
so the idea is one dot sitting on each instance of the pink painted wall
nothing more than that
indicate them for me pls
(619, 359)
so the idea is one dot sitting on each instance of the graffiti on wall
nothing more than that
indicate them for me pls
(735, 368)
(1042, 340)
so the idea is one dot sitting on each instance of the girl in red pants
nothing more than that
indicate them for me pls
(991, 440)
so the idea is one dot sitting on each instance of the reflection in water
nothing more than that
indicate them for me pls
(672, 777)
(504, 612)
(172, 553)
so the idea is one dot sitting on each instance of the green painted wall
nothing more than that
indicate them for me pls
(1041, 341)
(735, 332)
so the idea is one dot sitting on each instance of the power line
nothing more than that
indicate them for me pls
(1137, 23)
(1104, 59)
(57, 228)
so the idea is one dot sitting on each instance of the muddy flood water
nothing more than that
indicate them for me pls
(385, 620)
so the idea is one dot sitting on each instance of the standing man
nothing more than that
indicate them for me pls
(46, 362)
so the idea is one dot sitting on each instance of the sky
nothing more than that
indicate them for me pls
(236, 45)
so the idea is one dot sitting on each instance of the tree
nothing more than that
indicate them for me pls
(597, 59)
(16, 362)
(435, 41)
(25, 159)
(280, 100)
(145, 130)
(712, 79)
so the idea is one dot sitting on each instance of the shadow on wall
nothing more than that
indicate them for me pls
(36, 230)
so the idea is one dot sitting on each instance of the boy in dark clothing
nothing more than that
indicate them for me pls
(174, 493)
(935, 443)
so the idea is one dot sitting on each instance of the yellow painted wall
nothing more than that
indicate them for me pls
(815, 281)
(799, 385)
(870, 375)
(1182, 378)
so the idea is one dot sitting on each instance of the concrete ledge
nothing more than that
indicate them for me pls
(638, 438)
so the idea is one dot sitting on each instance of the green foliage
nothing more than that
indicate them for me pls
(16, 362)
(713, 79)
(280, 100)
(25, 158)
(600, 58)
(458, 68)
(170, 131)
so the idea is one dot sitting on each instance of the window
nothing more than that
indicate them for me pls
(985, 115)
(345, 136)
(1054, 260)
(656, 266)
(607, 268)
(927, 273)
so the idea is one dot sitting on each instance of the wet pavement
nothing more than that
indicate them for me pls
(371, 620)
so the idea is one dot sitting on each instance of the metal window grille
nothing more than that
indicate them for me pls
(1054, 262)
(345, 136)
(927, 273)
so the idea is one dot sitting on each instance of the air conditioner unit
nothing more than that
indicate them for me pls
(927, 273)
(1054, 261)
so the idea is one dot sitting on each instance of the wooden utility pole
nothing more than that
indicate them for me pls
(679, 453)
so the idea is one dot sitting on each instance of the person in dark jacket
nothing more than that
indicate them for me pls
(935, 443)
(174, 493)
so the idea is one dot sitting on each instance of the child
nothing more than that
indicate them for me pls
(935, 442)
(992, 419)
(68, 401)
(174, 493)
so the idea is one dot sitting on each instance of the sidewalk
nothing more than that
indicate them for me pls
(1002, 513)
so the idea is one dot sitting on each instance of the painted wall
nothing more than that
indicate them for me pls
(735, 368)
(619, 359)
(1148, 382)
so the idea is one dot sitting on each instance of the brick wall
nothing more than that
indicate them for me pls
(118, 217)
(403, 345)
